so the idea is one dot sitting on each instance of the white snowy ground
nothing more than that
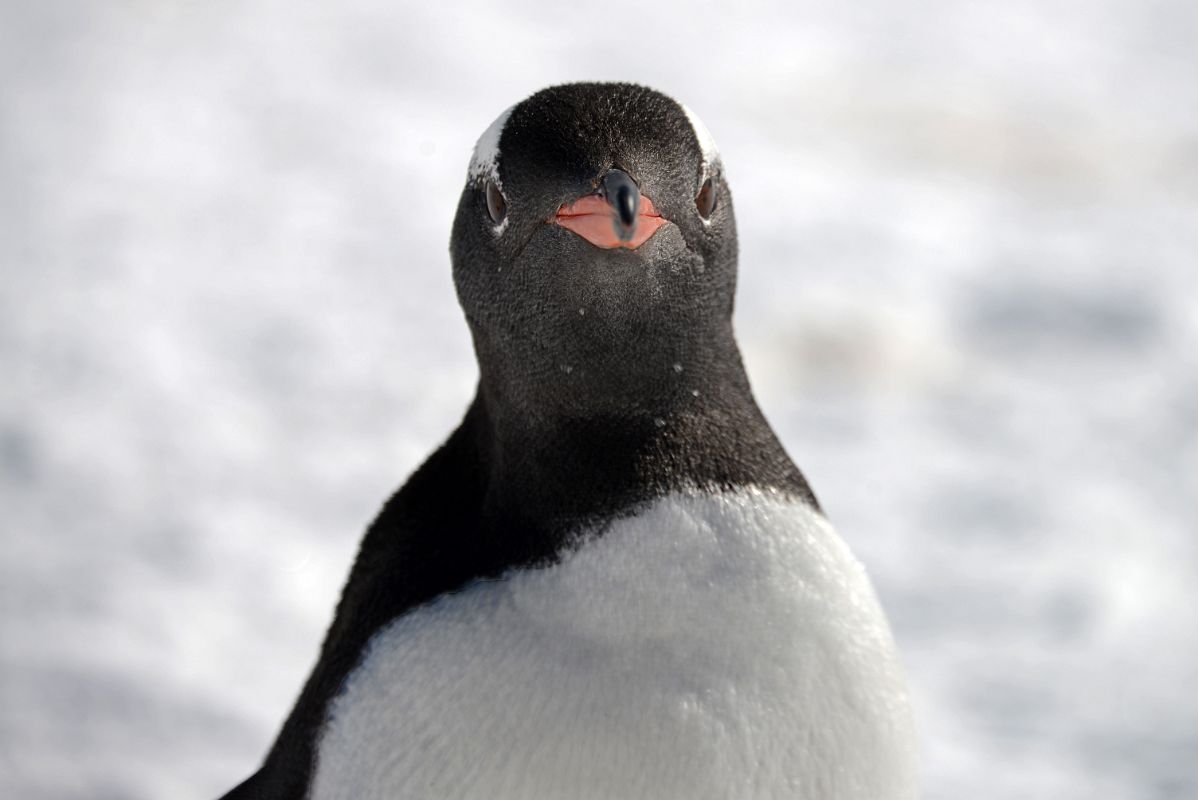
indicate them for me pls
(969, 304)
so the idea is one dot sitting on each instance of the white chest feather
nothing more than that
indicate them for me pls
(711, 647)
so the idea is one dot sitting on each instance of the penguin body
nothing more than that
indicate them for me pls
(611, 581)
(710, 646)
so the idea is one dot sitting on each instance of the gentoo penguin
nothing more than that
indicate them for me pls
(611, 581)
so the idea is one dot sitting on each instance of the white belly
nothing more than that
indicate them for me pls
(711, 647)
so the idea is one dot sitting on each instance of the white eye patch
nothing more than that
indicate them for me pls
(711, 153)
(484, 164)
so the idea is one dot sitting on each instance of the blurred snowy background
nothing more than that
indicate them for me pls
(969, 304)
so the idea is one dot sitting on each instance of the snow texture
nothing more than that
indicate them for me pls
(967, 302)
(709, 647)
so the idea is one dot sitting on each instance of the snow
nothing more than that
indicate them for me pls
(967, 302)
(709, 647)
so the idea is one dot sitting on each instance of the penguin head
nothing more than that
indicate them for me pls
(594, 248)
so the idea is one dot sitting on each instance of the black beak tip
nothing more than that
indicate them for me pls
(622, 192)
(626, 204)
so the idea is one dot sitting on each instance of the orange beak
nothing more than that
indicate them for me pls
(595, 219)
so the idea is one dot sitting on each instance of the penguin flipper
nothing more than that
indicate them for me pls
(414, 551)
(249, 789)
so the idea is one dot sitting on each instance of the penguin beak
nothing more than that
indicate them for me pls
(618, 215)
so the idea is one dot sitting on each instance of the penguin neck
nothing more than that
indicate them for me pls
(688, 421)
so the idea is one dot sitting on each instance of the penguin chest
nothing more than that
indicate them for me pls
(709, 647)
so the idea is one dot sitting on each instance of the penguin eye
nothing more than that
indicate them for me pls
(496, 205)
(705, 199)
